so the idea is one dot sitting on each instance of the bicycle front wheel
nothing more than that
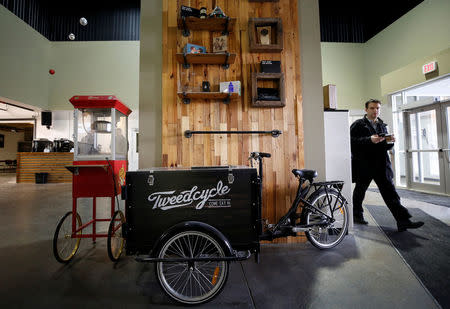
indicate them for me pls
(326, 233)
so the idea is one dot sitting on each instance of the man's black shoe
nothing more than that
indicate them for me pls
(359, 220)
(408, 224)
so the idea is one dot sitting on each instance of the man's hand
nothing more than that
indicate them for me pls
(376, 139)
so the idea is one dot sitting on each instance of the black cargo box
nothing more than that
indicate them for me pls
(224, 197)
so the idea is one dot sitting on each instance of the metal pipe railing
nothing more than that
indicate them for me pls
(274, 133)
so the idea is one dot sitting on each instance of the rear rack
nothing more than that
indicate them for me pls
(336, 184)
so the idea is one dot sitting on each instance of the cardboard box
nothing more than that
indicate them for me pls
(194, 49)
(236, 87)
(329, 97)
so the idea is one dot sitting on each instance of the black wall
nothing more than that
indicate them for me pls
(354, 21)
(357, 21)
(108, 20)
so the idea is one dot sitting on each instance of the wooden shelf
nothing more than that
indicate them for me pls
(225, 25)
(224, 59)
(226, 97)
(263, 77)
(276, 36)
(263, 0)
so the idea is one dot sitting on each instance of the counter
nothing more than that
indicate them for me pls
(29, 163)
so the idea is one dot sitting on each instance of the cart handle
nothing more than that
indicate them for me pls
(74, 168)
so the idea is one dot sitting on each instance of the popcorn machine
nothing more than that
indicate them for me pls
(99, 168)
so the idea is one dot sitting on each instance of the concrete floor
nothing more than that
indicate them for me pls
(364, 271)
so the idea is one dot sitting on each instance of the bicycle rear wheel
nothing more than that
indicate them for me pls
(325, 234)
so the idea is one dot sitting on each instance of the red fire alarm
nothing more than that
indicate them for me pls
(51, 71)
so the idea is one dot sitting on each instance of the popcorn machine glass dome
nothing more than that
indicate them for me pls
(101, 126)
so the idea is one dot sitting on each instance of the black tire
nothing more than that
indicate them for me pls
(116, 241)
(64, 245)
(192, 283)
(326, 236)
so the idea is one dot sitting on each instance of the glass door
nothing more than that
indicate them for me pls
(424, 141)
(445, 111)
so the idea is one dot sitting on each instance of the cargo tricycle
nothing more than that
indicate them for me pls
(193, 222)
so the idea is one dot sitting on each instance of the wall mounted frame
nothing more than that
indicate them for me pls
(276, 34)
(278, 79)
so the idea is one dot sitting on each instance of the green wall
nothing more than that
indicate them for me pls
(412, 73)
(343, 66)
(421, 34)
(81, 67)
(24, 58)
(94, 68)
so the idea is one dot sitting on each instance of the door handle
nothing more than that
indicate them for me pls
(424, 150)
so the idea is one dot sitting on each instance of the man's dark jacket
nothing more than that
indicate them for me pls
(368, 159)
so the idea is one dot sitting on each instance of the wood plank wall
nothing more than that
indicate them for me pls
(205, 150)
(29, 163)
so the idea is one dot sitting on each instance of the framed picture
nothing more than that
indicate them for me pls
(2, 141)
(220, 44)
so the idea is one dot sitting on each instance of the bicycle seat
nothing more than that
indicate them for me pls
(260, 154)
(305, 174)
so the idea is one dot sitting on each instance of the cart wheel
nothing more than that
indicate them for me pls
(116, 240)
(192, 282)
(64, 245)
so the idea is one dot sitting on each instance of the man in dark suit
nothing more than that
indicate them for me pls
(370, 161)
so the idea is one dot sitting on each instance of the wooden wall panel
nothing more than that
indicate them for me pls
(287, 150)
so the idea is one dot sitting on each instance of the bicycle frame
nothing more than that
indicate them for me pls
(284, 226)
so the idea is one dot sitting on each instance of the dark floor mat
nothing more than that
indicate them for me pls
(426, 250)
(436, 199)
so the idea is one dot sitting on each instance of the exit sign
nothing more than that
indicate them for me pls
(429, 67)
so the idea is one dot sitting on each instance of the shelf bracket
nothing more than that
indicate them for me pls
(274, 133)
(227, 99)
(186, 31)
(225, 30)
(186, 100)
(186, 64)
(226, 65)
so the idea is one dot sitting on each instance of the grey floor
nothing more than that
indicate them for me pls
(365, 271)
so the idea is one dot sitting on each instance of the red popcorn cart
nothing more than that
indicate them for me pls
(99, 168)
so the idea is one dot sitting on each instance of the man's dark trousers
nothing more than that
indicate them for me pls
(388, 192)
